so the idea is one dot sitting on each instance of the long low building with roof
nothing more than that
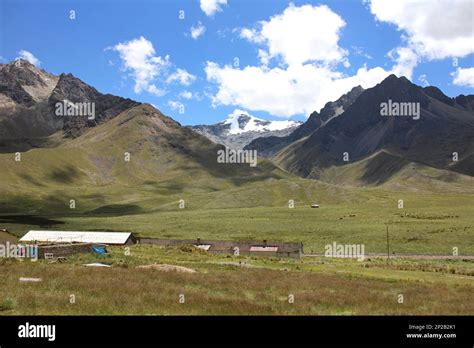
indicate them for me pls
(47, 239)
(253, 248)
(57, 237)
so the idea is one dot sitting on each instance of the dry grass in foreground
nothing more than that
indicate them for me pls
(223, 290)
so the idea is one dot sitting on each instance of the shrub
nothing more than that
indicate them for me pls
(7, 304)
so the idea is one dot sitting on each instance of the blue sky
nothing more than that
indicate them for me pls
(311, 52)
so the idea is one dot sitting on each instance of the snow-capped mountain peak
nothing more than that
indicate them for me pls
(241, 122)
(240, 128)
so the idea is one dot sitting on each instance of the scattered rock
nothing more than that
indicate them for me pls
(96, 264)
(34, 280)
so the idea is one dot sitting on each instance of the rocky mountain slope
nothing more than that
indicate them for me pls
(28, 99)
(441, 137)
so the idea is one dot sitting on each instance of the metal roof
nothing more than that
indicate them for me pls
(203, 246)
(263, 248)
(76, 236)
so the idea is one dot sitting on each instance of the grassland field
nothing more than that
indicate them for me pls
(227, 285)
(429, 223)
(445, 223)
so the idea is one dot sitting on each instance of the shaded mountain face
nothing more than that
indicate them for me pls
(160, 147)
(240, 129)
(28, 107)
(461, 102)
(271, 145)
(66, 151)
(441, 136)
(465, 102)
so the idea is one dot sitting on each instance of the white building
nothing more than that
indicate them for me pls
(109, 238)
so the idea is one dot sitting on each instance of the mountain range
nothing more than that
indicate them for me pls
(129, 153)
(440, 137)
(239, 129)
(130, 156)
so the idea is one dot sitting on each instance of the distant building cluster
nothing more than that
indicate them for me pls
(65, 243)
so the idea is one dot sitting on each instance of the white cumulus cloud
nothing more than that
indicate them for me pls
(300, 34)
(210, 7)
(433, 29)
(186, 94)
(176, 105)
(463, 77)
(182, 76)
(405, 61)
(297, 90)
(138, 57)
(28, 56)
(197, 31)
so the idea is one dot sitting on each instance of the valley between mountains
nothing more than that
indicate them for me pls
(388, 160)
(406, 183)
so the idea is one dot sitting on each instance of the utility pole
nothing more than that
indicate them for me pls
(388, 246)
